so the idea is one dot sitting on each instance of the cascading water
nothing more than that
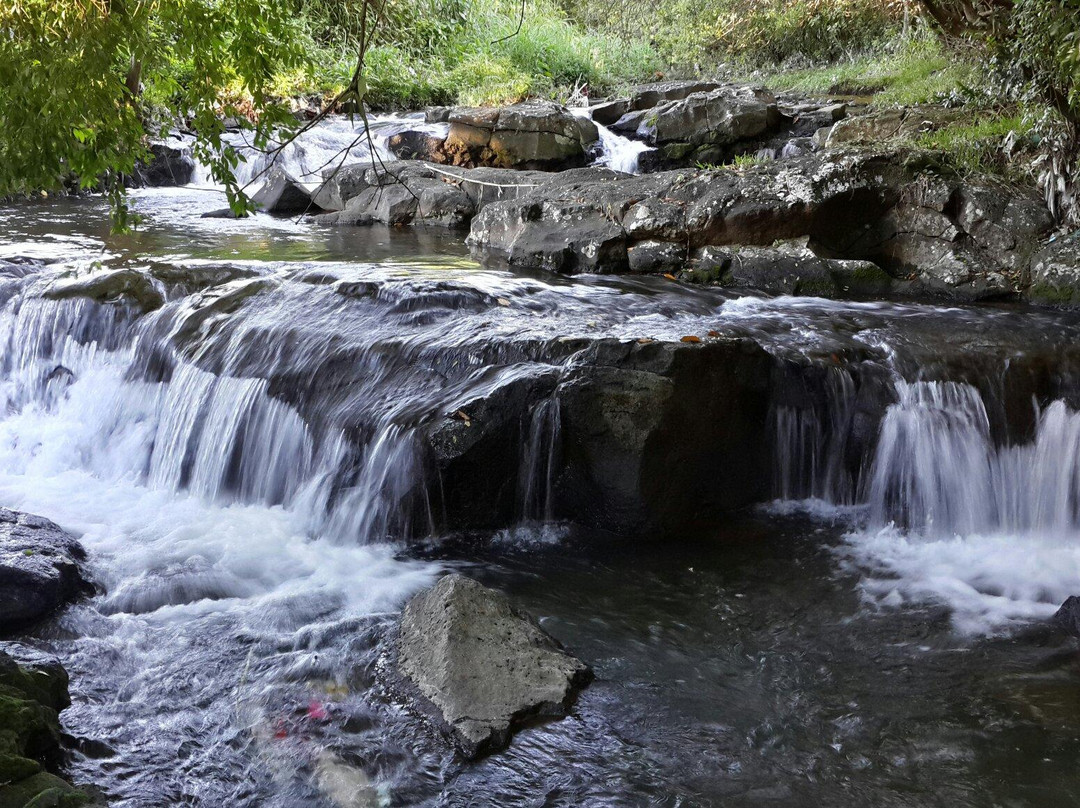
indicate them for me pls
(620, 153)
(335, 142)
(539, 460)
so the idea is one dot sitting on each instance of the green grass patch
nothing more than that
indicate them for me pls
(476, 57)
(990, 145)
(915, 71)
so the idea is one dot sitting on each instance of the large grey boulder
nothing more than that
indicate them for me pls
(647, 96)
(484, 665)
(703, 125)
(1055, 273)
(282, 193)
(40, 569)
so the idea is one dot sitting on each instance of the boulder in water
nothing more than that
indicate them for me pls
(112, 285)
(40, 569)
(283, 193)
(485, 666)
(1067, 618)
(171, 164)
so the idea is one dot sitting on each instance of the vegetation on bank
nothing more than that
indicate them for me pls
(81, 79)
(463, 52)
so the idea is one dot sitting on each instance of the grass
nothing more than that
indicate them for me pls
(481, 60)
(979, 148)
(915, 71)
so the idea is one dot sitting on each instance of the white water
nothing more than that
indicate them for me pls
(332, 143)
(620, 153)
(991, 531)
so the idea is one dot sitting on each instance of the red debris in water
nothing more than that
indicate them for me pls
(317, 712)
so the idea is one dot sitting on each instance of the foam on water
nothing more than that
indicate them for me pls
(992, 531)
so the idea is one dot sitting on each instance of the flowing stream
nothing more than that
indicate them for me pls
(242, 465)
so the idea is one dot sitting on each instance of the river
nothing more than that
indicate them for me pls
(241, 465)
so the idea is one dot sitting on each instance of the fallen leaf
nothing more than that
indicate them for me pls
(690, 338)
(670, 277)
(644, 341)
(502, 301)
(714, 333)
(463, 416)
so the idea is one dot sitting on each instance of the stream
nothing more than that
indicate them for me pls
(242, 465)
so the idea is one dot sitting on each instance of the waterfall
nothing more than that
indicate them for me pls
(335, 142)
(619, 153)
(938, 471)
(810, 444)
(539, 460)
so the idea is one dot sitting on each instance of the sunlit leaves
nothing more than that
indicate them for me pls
(67, 116)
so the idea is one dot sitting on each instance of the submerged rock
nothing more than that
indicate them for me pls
(127, 285)
(33, 691)
(39, 569)
(484, 665)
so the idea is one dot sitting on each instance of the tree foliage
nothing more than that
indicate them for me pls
(71, 73)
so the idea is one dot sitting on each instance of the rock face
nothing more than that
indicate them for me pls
(33, 691)
(958, 239)
(654, 435)
(531, 135)
(704, 126)
(1055, 273)
(483, 664)
(39, 569)
(423, 194)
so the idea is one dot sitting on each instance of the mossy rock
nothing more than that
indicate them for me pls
(30, 700)
(42, 790)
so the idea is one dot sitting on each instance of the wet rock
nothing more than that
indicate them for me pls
(171, 164)
(40, 569)
(890, 124)
(1067, 618)
(485, 666)
(703, 125)
(1055, 273)
(958, 239)
(411, 192)
(789, 268)
(602, 221)
(33, 691)
(283, 193)
(647, 96)
(937, 235)
(111, 286)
